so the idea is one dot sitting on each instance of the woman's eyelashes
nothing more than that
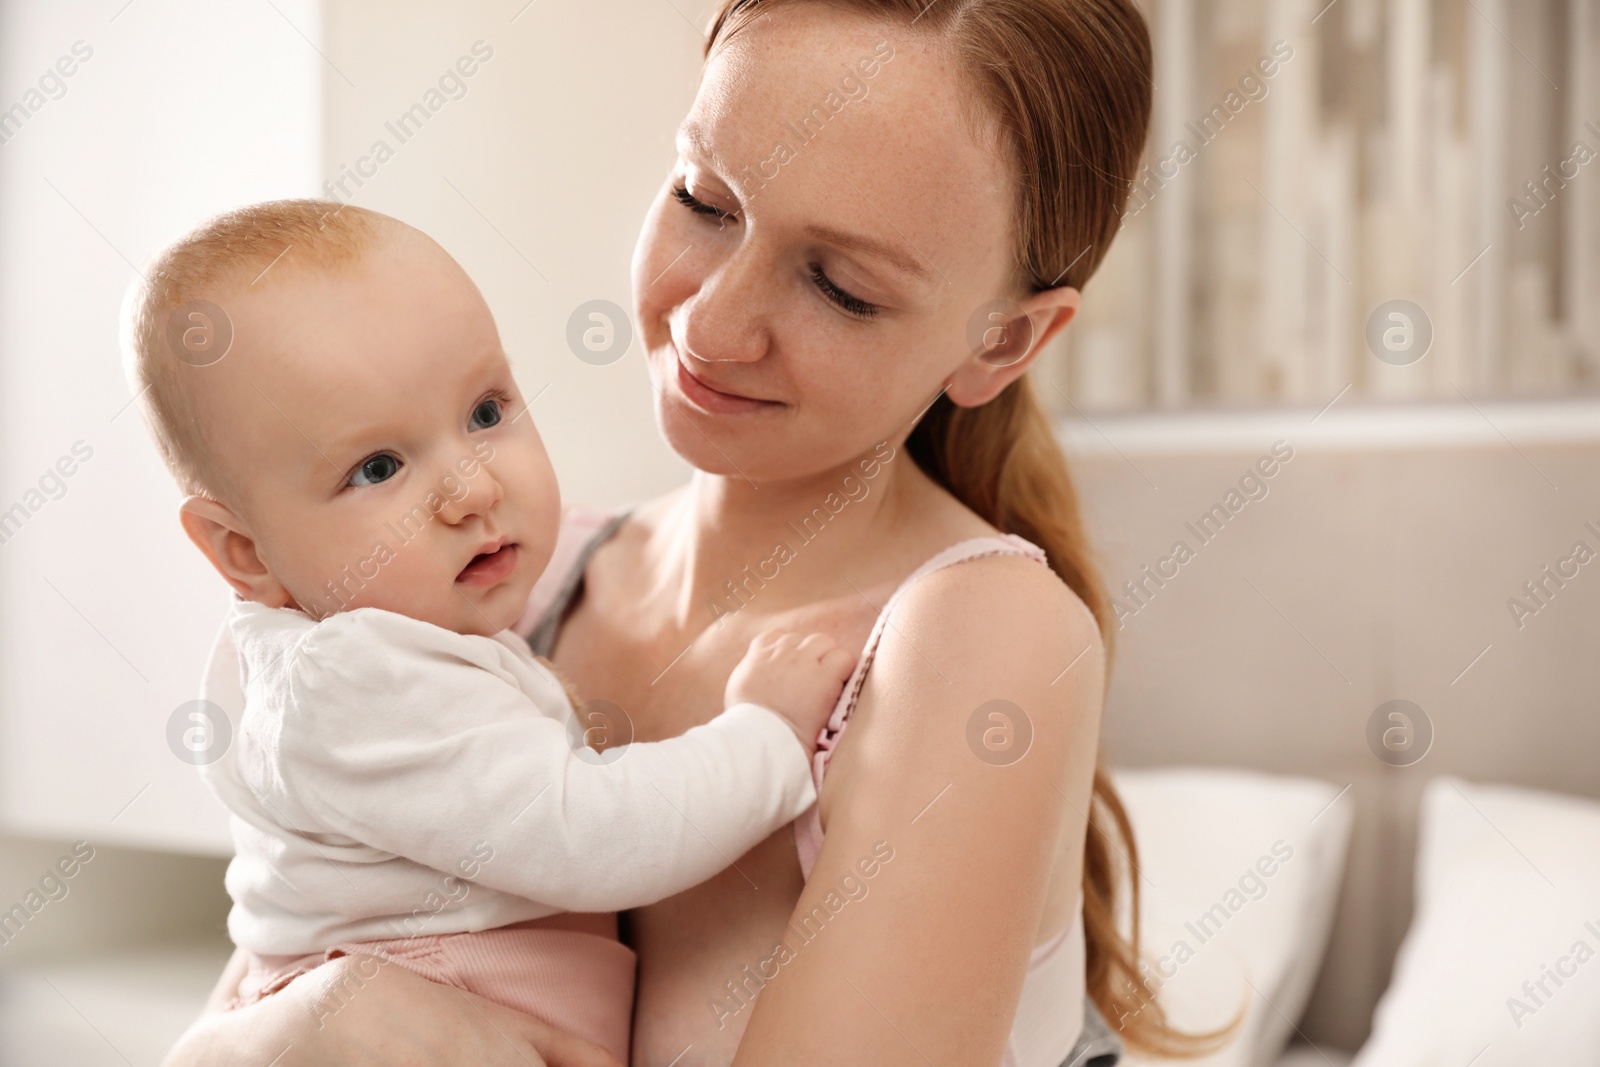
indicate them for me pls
(852, 305)
(848, 302)
(682, 194)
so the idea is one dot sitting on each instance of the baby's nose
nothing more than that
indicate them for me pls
(474, 496)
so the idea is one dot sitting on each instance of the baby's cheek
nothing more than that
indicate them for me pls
(535, 500)
(386, 572)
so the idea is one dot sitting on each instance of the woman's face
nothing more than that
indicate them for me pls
(806, 279)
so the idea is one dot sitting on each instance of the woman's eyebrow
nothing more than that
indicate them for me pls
(886, 250)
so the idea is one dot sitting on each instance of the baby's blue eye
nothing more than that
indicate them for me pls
(486, 414)
(379, 468)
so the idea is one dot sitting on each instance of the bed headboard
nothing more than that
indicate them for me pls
(1377, 563)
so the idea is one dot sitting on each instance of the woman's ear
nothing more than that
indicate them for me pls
(1006, 337)
(224, 539)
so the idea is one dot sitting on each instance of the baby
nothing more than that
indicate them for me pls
(329, 388)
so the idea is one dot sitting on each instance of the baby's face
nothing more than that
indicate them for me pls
(377, 444)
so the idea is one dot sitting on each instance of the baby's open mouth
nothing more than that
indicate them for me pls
(487, 568)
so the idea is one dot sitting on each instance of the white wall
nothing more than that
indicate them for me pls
(184, 107)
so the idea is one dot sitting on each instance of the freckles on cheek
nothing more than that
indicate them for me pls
(839, 388)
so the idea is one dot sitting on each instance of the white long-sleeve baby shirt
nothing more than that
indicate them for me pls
(378, 759)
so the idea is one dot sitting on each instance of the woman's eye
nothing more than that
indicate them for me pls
(485, 415)
(852, 305)
(375, 469)
(682, 194)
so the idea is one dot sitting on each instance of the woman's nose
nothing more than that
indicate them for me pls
(726, 318)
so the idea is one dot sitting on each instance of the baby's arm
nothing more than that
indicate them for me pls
(425, 750)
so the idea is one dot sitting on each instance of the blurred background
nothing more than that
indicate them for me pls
(1367, 236)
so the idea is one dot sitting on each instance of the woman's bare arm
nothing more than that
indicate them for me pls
(927, 955)
(356, 1012)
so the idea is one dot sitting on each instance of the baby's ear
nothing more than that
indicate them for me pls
(224, 540)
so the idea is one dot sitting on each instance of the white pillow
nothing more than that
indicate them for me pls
(1508, 884)
(1241, 877)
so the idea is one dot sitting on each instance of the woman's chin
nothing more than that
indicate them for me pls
(700, 441)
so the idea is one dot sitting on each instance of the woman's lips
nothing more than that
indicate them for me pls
(489, 568)
(712, 400)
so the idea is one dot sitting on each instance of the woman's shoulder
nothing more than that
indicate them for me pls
(993, 605)
(996, 632)
(997, 570)
(1002, 578)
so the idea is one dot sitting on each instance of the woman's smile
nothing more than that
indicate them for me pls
(713, 400)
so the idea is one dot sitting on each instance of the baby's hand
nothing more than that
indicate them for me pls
(797, 676)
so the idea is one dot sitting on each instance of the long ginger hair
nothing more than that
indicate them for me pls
(1069, 83)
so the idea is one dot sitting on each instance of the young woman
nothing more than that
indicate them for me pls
(881, 211)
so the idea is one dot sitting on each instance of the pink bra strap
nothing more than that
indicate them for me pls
(808, 827)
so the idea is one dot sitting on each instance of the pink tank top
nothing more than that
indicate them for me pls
(1054, 1024)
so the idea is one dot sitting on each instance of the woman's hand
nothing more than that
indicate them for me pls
(357, 1011)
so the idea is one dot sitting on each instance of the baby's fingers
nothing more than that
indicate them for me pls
(818, 644)
(767, 638)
